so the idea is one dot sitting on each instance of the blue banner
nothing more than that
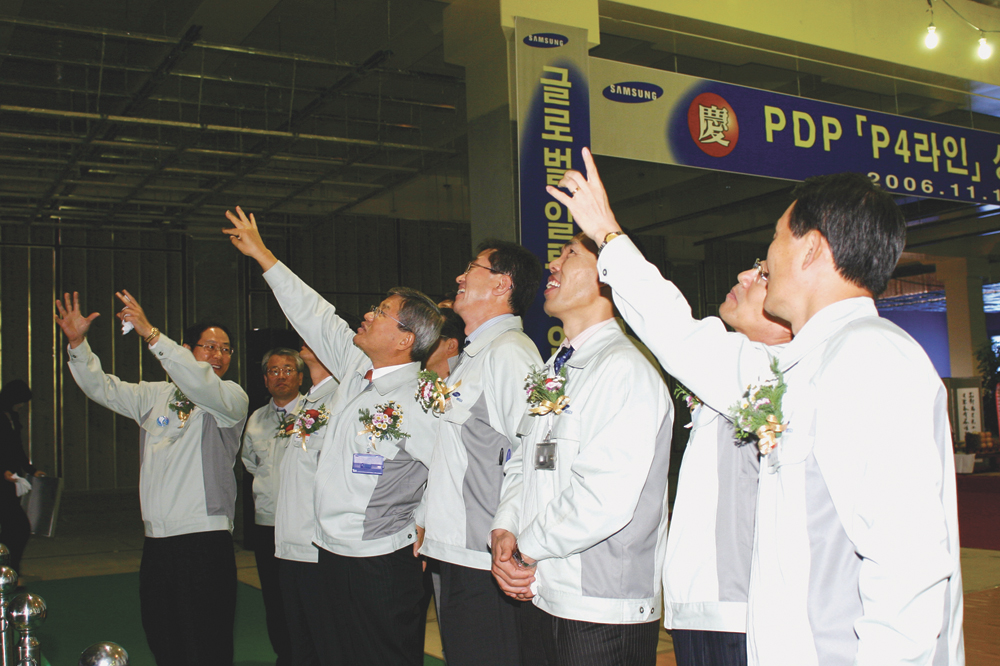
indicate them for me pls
(710, 125)
(553, 123)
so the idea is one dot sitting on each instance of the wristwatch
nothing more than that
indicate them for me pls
(610, 237)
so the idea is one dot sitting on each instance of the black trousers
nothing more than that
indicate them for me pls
(187, 595)
(374, 606)
(14, 530)
(709, 648)
(270, 588)
(547, 640)
(478, 621)
(311, 632)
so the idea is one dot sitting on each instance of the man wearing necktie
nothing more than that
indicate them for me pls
(581, 526)
(262, 452)
(373, 467)
(478, 433)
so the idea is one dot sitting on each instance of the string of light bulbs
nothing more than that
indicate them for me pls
(932, 38)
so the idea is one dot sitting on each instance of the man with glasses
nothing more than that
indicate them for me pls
(263, 450)
(706, 572)
(478, 433)
(373, 467)
(189, 438)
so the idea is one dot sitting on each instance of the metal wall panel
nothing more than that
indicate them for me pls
(178, 280)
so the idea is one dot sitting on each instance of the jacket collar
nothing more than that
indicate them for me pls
(492, 333)
(397, 378)
(324, 391)
(823, 325)
(594, 345)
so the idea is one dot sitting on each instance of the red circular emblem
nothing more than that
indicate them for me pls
(713, 125)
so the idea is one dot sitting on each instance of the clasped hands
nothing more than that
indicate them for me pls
(514, 579)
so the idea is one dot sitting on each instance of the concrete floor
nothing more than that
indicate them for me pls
(101, 533)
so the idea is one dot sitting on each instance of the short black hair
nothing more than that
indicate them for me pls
(454, 327)
(523, 267)
(14, 392)
(861, 222)
(192, 334)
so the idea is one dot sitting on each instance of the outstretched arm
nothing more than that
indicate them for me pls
(312, 316)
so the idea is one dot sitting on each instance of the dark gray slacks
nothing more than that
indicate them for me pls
(311, 634)
(374, 606)
(270, 589)
(547, 640)
(709, 648)
(187, 597)
(478, 621)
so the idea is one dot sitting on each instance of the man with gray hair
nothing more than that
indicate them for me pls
(263, 450)
(373, 468)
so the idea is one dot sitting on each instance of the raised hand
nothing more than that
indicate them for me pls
(73, 324)
(589, 202)
(134, 314)
(246, 238)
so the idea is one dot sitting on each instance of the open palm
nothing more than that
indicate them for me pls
(72, 322)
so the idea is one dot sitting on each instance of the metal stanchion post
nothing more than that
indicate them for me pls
(8, 583)
(104, 654)
(27, 612)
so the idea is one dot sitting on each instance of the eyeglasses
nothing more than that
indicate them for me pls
(281, 372)
(378, 311)
(473, 264)
(761, 273)
(222, 349)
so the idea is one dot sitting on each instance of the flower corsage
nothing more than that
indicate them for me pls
(181, 405)
(385, 423)
(682, 392)
(758, 413)
(304, 423)
(433, 393)
(546, 393)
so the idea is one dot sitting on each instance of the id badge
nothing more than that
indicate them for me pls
(368, 463)
(545, 455)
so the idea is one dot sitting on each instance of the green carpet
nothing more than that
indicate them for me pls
(84, 611)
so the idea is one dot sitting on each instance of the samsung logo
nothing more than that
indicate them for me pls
(545, 40)
(633, 92)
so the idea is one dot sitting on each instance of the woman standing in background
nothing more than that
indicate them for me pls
(14, 526)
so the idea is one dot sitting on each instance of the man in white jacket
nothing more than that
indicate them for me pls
(295, 520)
(262, 454)
(477, 434)
(706, 571)
(189, 437)
(855, 561)
(372, 472)
(582, 523)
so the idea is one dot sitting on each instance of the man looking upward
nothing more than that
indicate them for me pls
(189, 437)
(706, 571)
(585, 499)
(478, 432)
(262, 453)
(860, 560)
(373, 468)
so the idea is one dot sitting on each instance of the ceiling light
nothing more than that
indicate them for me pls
(932, 39)
(985, 50)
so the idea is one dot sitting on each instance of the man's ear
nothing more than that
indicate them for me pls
(504, 284)
(452, 346)
(405, 342)
(814, 246)
(187, 346)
